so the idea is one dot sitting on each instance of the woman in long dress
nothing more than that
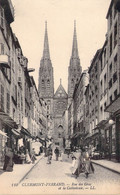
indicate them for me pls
(27, 157)
(88, 166)
(77, 163)
(8, 164)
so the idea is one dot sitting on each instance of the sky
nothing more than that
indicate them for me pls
(29, 27)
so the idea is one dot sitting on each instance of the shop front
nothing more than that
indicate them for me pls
(27, 139)
(107, 140)
(6, 126)
(114, 129)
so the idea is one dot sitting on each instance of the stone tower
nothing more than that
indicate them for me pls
(46, 80)
(74, 69)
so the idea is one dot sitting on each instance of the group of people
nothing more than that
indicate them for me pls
(82, 163)
(50, 153)
(17, 157)
(81, 160)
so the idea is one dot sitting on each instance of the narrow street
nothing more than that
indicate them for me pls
(57, 177)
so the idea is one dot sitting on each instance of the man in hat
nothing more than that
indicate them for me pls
(57, 153)
(87, 162)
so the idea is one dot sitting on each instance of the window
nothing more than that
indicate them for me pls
(101, 63)
(114, 77)
(110, 67)
(105, 78)
(96, 121)
(115, 34)
(8, 103)
(104, 57)
(48, 83)
(43, 83)
(92, 93)
(14, 96)
(1, 48)
(2, 97)
(115, 63)
(101, 108)
(93, 124)
(115, 94)
(110, 83)
(105, 105)
(96, 67)
(21, 104)
(111, 44)
(111, 99)
(90, 128)
(96, 88)
(2, 17)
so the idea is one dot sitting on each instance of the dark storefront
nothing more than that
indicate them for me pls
(114, 109)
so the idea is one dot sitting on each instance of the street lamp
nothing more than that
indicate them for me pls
(111, 122)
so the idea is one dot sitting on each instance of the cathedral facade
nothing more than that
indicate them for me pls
(57, 102)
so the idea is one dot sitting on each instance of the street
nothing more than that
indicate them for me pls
(57, 176)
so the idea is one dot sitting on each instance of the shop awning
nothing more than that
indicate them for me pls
(88, 137)
(95, 135)
(72, 136)
(41, 139)
(114, 106)
(25, 132)
(77, 134)
(6, 119)
(15, 132)
(3, 134)
(101, 124)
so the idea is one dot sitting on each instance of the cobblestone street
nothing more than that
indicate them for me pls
(57, 175)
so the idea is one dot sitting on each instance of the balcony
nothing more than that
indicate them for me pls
(4, 61)
(9, 10)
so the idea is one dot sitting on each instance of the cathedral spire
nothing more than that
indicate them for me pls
(46, 53)
(75, 47)
(60, 81)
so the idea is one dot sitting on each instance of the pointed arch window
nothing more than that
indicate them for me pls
(48, 83)
(43, 83)
(72, 82)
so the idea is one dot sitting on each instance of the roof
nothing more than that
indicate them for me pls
(93, 60)
(60, 92)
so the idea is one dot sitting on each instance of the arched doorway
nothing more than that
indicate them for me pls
(60, 135)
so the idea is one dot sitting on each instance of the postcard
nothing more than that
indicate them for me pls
(59, 97)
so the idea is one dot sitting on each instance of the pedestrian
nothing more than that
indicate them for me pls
(8, 164)
(87, 162)
(56, 153)
(33, 157)
(41, 150)
(49, 155)
(77, 163)
(27, 157)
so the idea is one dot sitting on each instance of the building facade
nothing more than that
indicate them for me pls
(18, 95)
(79, 109)
(113, 100)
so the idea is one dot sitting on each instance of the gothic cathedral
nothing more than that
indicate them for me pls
(57, 102)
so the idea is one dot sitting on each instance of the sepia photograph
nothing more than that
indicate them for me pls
(60, 97)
